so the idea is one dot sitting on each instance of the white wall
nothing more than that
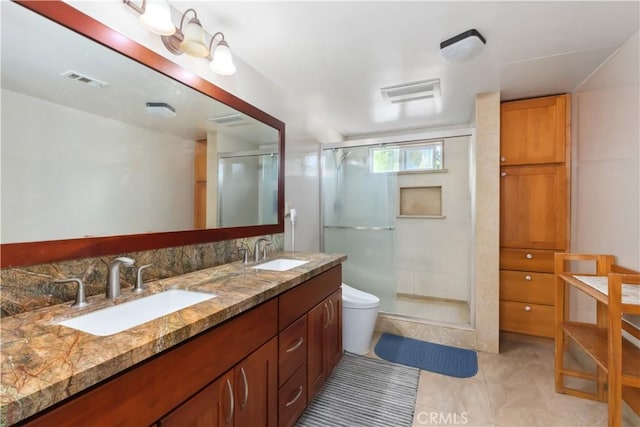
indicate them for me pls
(101, 177)
(606, 167)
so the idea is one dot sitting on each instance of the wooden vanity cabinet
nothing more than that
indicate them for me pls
(243, 396)
(325, 341)
(310, 323)
(152, 389)
(252, 370)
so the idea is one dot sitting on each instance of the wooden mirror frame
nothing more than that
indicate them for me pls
(31, 253)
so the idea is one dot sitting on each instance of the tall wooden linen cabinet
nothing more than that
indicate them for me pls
(535, 137)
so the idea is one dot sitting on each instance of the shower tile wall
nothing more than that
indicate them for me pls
(432, 254)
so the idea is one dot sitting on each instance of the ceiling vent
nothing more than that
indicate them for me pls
(423, 89)
(230, 118)
(79, 77)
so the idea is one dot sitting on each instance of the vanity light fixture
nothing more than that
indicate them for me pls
(188, 38)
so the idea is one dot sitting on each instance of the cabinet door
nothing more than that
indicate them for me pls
(317, 322)
(533, 131)
(256, 387)
(333, 332)
(211, 407)
(533, 207)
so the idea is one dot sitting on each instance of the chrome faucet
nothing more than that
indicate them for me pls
(113, 279)
(256, 248)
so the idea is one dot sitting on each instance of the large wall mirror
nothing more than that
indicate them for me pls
(108, 147)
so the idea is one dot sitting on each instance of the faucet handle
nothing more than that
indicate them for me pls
(139, 286)
(265, 247)
(245, 254)
(81, 297)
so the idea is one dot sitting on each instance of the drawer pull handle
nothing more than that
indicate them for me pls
(231, 402)
(527, 278)
(529, 256)
(292, 401)
(296, 345)
(502, 159)
(246, 389)
(527, 308)
(503, 174)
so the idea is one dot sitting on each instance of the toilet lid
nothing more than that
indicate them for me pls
(355, 298)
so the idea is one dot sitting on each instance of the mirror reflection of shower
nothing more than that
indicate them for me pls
(247, 188)
(402, 212)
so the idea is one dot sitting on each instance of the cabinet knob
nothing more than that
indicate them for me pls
(503, 174)
(502, 159)
(527, 277)
(527, 308)
(529, 256)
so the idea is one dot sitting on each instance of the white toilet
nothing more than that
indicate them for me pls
(359, 312)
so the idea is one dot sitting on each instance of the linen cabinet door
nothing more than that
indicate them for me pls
(533, 207)
(256, 391)
(533, 131)
(211, 407)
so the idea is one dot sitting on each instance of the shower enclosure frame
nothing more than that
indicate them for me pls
(408, 138)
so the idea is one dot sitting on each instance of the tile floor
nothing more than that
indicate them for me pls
(513, 388)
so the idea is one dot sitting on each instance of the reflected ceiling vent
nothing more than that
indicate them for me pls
(229, 118)
(423, 89)
(160, 109)
(237, 125)
(79, 77)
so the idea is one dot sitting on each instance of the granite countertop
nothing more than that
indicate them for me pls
(44, 363)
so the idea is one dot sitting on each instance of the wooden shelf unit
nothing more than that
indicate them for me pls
(616, 357)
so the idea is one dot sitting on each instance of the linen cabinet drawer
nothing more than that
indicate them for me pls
(527, 260)
(527, 318)
(292, 349)
(292, 398)
(527, 286)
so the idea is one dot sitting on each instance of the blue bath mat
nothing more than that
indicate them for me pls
(452, 361)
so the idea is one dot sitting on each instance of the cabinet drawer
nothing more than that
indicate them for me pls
(527, 286)
(292, 349)
(299, 300)
(526, 260)
(292, 398)
(527, 318)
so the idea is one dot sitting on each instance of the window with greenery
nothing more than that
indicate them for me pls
(423, 156)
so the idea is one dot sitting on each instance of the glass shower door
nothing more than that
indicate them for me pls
(359, 220)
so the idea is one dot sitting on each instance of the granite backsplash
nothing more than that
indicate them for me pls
(31, 287)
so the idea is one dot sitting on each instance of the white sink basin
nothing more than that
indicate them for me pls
(280, 264)
(118, 318)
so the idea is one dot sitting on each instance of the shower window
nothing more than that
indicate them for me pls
(422, 156)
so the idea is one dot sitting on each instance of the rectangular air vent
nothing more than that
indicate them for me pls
(423, 89)
(236, 117)
(79, 77)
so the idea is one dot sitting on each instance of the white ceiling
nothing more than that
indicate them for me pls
(337, 55)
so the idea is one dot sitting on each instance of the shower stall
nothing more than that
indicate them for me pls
(402, 212)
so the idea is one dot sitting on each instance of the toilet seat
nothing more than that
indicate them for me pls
(355, 298)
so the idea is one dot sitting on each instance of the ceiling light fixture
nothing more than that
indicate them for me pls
(462, 47)
(189, 38)
(160, 109)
